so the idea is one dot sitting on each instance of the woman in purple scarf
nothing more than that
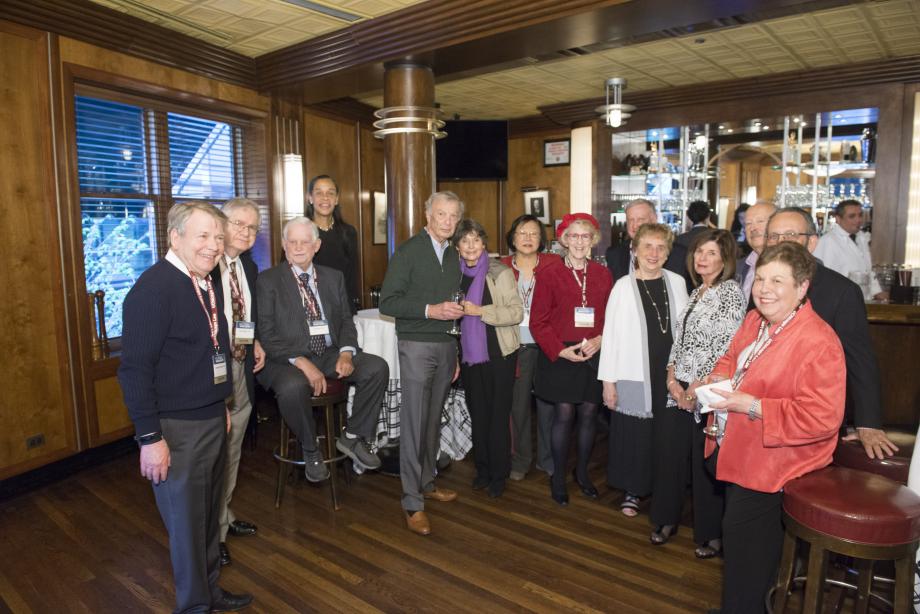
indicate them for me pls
(489, 340)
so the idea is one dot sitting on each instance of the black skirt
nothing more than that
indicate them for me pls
(564, 381)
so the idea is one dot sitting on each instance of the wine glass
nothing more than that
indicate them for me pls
(716, 429)
(457, 297)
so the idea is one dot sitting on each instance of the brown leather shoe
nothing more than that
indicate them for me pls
(441, 494)
(418, 523)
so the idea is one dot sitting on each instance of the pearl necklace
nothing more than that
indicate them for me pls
(667, 313)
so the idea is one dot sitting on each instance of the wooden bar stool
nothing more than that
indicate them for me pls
(854, 513)
(333, 404)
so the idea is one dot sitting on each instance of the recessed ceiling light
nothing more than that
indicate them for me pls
(804, 124)
(721, 127)
(729, 131)
(838, 116)
(655, 133)
(326, 10)
(796, 119)
(843, 121)
(765, 127)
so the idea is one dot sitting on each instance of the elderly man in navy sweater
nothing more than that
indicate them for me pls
(175, 379)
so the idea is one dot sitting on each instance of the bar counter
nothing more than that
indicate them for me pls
(895, 332)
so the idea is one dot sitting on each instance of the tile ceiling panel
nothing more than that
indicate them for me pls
(250, 27)
(856, 33)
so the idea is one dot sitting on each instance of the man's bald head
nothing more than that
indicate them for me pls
(755, 224)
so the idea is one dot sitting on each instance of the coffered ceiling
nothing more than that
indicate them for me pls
(855, 33)
(254, 27)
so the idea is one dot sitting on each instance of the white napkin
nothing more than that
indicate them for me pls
(707, 395)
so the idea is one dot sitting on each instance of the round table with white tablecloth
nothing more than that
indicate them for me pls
(377, 335)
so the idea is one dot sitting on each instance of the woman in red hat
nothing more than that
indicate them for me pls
(566, 321)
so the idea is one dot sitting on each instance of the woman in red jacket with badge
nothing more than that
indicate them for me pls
(779, 421)
(566, 321)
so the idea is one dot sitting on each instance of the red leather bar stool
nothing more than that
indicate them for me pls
(333, 404)
(854, 513)
(852, 455)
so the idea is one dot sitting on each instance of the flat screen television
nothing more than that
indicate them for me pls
(473, 150)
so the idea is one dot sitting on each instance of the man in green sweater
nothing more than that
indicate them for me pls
(422, 279)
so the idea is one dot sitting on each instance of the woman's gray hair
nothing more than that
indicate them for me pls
(445, 195)
(242, 203)
(180, 213)
(301, 221)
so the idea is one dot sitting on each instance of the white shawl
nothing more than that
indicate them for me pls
(624, 346)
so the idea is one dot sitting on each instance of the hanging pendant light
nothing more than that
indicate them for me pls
(615, 113)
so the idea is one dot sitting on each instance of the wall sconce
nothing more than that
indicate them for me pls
(615, 113)
(293, 203)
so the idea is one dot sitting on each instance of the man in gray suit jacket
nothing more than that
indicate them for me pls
(308, 334)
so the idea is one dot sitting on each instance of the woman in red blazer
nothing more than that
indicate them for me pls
(779, 422)
(567, 320)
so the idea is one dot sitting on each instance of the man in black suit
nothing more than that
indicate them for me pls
(307, 330)
(698, 214)
(234, 281)
(839, 302)
(620, 258)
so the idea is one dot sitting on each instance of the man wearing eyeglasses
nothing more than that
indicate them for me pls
(839, 302)
(235, 280)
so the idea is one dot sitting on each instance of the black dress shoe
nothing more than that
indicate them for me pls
(496, 489)
(229, 602)
(588, 489)
(224, 555)
(239, 528)
(480, 482)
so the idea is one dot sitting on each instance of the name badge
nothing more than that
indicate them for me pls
(219, 361)
(526, 320)
(584, 317)
(319, 327)
(244, 333)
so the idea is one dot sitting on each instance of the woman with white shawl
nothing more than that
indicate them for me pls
(638, 333)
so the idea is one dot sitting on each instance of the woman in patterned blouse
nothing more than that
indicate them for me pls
(703, 332)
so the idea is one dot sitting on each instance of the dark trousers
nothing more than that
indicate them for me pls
(521, 409)
(671, 442)
(752, 542)
(293, 391)
(488, 389)
(189, 504)
(708, 492)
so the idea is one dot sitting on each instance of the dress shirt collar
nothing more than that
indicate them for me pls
(439, 248)
(310, 270)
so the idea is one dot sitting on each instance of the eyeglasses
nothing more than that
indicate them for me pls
(775, 237)
(528, 235)
(240, 226)
(579, 236)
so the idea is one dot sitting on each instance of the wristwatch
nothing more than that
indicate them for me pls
(149, 438)
(754, 409)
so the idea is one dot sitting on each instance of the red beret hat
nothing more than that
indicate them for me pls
(569, 218)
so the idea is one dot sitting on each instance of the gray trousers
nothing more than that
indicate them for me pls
(426, 370)
(521, 437)
(189, 503)
(239, 419)
(293, 392)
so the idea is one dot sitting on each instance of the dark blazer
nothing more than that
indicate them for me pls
(686, 239)
(252, 272)
(839, 302)
(618, 262)
(282, 326)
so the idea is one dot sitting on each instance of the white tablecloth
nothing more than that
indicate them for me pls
(377, 335)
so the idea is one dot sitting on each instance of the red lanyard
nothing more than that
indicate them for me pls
(304, 296)
(211, 313)
(760, 346)
(582, 281)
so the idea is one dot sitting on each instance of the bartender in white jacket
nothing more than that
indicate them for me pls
(845, 248)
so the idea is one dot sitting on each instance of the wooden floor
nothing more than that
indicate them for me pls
(95, 543)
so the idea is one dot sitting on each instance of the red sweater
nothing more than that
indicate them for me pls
(801, 381)
(555, 297)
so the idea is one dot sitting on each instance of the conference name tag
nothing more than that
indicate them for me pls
(244, 333)
(219, 361)
(584, 317)
(319, 327)
(526, 320)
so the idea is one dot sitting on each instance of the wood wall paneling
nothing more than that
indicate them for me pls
(525, 169)
(374, 257)
(111, 414)
(36, 397)
(482, 202)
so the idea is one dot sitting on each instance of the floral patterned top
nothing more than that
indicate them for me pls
(704, 329)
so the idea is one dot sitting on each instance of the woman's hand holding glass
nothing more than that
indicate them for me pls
(471, 309)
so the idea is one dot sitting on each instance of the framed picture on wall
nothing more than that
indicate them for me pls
(380, 219)
(536, 203)
(557, 152)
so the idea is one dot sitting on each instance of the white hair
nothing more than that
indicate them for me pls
(300, 221)
(445, 195)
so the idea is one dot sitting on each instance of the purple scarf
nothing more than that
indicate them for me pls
(472, 330)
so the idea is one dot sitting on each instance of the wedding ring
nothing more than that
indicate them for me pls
(688, 397)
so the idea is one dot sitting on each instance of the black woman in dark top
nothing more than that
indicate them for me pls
(339, 239)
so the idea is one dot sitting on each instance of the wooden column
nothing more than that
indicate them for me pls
(408, 157)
